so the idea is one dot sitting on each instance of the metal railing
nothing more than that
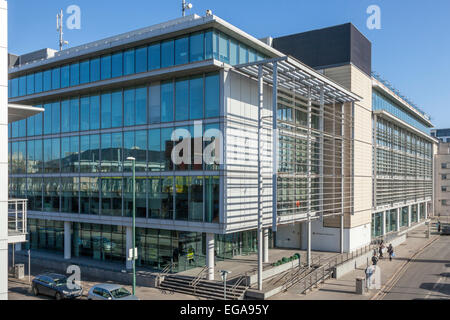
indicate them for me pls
(238, 282)
(167, 269)
(198, 278)
(17, 216)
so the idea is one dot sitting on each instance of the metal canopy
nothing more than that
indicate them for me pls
(294, 76)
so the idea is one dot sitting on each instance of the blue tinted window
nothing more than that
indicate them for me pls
(167, 101)
(84, 72)
(182, 51)
(48, 118)
(128, 62)
(196, 97)
(234, 52)
(154, 56)
(141, 59)
(251, 55)
(155, 103)
(243, 54)
(74, 74)
(116, 109)
(38, 82)
(95, 69)
(65, 116)
(9, 88)
(30, 83)
(56, 78)
(65, 76)
(128, 107)
(94, 113)
(15, 87)
(181, 100)
(117, 65)
(141, 106)
(84, 110)
(48, 80)
(38, 123)
(56, 121)
(106, 110)
(106, 67)
(22, 129)
(196, 47)
(212, 95)
(167, 53)
(208, 45)
(215, 43)
(224, 48)
(30, 126)
(74, 115)
(154, 150)
(22, 86)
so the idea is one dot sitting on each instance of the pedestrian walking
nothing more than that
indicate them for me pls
(439, 226)
(374, 259)
(390, 251)
(380, 250)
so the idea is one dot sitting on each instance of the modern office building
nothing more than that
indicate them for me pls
(442, 135)
(442, 178)
(393, 150)
(124, 96)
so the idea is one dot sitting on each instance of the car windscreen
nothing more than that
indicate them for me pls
(60, 282)
(120, 293)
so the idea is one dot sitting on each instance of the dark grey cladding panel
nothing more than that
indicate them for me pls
(333, 46)
(13, 60)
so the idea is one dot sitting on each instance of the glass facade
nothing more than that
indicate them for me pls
(191, 48)
(377, 224)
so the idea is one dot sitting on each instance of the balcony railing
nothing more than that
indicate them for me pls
(17, 217)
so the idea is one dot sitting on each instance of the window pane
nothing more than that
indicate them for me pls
(208, 45)
(243, 54)
(224, 48)
(181, 51)
(15, 87)
(106, 67)
(182, 100)
(140, 150)
(212, 96)
(94, 113)
(56, 78)
(117, 64)
(166, 148)
(84, 72)
(141, 106)
(65, 116)
(234, 52)
(181, 197)
(167, 53)
(74, 115)
(106, 110)
(141, 59)
(129, 64)
(154, 197)
(154, 56)
(74, 74)
(167, 101)
(167, 198)
(215, 42)
(84, 109)
(197, 51)
(154, 150)
(129, 107)
(116, 109)
(95, 69)
(212, 199)
(196, 199)
(155, 103)
(48, 80)
(38, 123)
(56, 121)
(22, 86)
(196, 98)
(65, 76)
(30, 83)
(38, 82)
(30, 126)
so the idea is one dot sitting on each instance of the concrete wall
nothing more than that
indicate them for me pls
(442, 157)
(3, 150)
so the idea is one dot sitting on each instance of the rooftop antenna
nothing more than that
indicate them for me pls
(185, 6)
(59, 28)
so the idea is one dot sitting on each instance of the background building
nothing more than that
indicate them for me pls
(442, 179)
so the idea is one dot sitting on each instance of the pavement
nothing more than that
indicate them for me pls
(428, 276)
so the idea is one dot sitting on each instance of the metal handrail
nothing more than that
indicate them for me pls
(238, 283)
(17, 216)
(167, 269)
(198, 278)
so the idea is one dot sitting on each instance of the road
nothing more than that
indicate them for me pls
(427, 277)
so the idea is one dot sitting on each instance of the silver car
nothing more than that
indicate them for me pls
(110, 292)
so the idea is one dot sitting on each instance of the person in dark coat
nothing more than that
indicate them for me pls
(374, 259)
(390, 251)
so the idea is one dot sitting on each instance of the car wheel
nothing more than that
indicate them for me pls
(58, 296)
(35, 291)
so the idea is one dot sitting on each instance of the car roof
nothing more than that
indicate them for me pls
(108, 286)
(53, 276)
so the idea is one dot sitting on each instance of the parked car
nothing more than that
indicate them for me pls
(55, 285)
(445, 230)
(110, 292)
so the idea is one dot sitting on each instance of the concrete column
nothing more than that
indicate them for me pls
(210, 256)
(308, 253)
(409, 216)
(67, 240)
(426, 210)
(398, 219)
(129, 243)
(384, 223)
(266, 246)
(342, 234)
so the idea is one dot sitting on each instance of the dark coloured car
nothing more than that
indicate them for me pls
(55, 285)
(445, 230)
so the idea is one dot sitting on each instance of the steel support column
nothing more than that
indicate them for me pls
(210, 255)
(309, 121)
(398, 219)
(260, 185)
(342, 178)
(266, 245)
(67, 240)
(274, 147)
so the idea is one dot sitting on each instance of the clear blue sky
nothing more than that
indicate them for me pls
(411, 50)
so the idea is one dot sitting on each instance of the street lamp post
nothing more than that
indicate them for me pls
(133, 257)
